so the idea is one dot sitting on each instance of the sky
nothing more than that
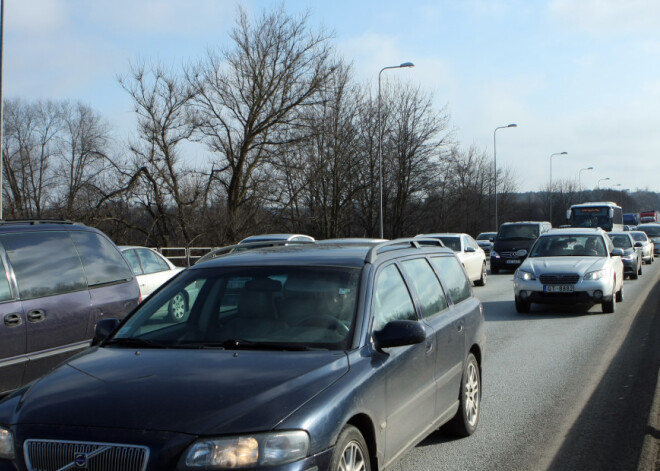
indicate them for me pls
(576, 76)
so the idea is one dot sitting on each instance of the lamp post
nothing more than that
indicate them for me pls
(380, 145)
(580, 175)
(552, 192)
(602, 179)
(495, 164)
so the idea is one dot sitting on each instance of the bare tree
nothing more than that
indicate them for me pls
(28, 153)
(415, 136)
(168, 191)
(250, 94)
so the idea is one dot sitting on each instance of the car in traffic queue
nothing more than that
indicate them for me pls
(570, 266)
(652, 230)
(647, 245)
(59, 278)
(485, 241)
(299, 357)
(512, 243)
(632, 253)
(468, 252)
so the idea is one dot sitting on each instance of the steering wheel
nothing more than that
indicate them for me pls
(325, 320)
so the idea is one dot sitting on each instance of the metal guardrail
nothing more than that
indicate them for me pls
(184, 256)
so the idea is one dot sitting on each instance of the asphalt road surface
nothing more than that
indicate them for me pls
(563, 388)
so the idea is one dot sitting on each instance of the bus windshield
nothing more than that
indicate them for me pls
(592, 217)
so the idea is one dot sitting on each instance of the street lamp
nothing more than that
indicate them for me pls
(602, 179)
(495, 164)
(580, 175)
(380, 144)
(551, 192)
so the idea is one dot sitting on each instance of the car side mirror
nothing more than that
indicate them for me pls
(617, 253)
(639, 244)
(399, 334)
(470, 249)
(104, 328)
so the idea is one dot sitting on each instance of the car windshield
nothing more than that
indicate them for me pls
(651, 231)
(621, 241)
(639, 236)
(486, 236)
(450, 242)
(290, 308)
(569, 245)
(518, 232)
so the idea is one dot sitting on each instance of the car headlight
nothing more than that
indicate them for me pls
(494, 254)
(596, 275)
(247, 451)
(524, 275)
(7, 450)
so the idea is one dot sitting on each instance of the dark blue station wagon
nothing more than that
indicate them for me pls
(300, 357)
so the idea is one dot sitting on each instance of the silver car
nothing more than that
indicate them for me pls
(647, 245)
(570, 266)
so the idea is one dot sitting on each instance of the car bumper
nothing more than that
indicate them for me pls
(583, 292)
(502, 263)
(164, 448)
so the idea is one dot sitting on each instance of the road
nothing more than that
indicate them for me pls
(562, 389)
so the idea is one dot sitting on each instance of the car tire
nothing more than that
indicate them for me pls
(465, 422)
(350, 452)
(609, 306)
(177, 308)
(639, 271)
(523, 307)
(634, 275)
(619, 295)
(484, 274)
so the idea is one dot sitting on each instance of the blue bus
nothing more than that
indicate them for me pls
(604, 214)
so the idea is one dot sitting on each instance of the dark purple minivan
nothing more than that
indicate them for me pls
(57, 280)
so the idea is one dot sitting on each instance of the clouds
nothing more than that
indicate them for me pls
(608, 17)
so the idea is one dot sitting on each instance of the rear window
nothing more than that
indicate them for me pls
(102, 261)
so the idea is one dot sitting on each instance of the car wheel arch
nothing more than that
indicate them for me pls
(365, 425)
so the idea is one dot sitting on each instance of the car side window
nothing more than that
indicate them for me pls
(102, 260)
(45, 263)
(392, 300)
(133, 260)
(428, 288)
(453, 277)
(151, 262)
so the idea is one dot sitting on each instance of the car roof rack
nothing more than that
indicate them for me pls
(406, 243)
(36, 221)
(229, 249)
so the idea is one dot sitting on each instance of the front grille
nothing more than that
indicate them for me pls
(559, 279)
(55, 455)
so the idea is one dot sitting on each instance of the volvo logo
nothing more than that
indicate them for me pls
(80, 460)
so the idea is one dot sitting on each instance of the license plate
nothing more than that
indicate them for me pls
(513, 261)
(558, 288)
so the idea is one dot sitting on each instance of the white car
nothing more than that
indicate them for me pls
(570, 266)
(468, 252)
(150, 267)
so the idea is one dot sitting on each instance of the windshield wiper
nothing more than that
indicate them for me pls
(135, 342)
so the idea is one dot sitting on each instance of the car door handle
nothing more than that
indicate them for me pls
(36, 315)
(13, 320)
(459, 327)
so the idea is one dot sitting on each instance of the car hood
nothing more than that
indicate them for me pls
(512, 245)
(188, 391)
(579, 265)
